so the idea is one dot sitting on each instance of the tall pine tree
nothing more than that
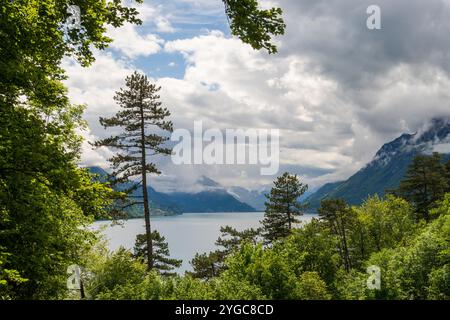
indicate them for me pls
(140, 111)
(424, 183)
(283, 207)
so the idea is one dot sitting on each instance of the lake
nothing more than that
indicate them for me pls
(186, 234)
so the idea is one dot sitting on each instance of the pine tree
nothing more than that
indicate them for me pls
(447, 175)
(232, 239)
(161, 255)
(283, 207)
(210, 265)
(424, 183)
(140, 111)
(207, 265)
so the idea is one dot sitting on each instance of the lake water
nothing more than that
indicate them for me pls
(186, 234)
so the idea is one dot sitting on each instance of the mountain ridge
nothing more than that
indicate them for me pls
(213, 199)
(387, 167)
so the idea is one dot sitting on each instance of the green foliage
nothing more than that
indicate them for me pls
(380, 224)
(351, 285)
(339, 218)
(231, 288)
(254, 25)
(207, 265)
(113, 273)
(8, 277)
(46, 201)
(424, 184)
(267, 273)
(418, 270)
(282, 207)
(210, 265)
(33, 44)
(311, 249)
(188, 288)
(306, 265)
(232, 239)
(447, 175)
(162, 262)
(439, 283)
(311, 287)
(254, 266)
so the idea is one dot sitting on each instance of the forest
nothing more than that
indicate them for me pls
(48, 202)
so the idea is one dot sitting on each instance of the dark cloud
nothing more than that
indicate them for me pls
(334, 32)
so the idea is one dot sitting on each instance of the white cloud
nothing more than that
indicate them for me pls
(164, 25)
(129, 42)
(95, 87)
(255, 90)
(93, 156)
(336, 91)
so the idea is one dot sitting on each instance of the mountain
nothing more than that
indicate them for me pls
(209, 201)
(213, 198)
(253, 198)
(208, 183)
(257, 198)
(160, 203)
(388, 167)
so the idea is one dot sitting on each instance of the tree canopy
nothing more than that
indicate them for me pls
(283, 207)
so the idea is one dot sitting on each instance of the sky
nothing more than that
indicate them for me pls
(336, 90)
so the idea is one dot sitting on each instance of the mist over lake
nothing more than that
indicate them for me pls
(186, 234)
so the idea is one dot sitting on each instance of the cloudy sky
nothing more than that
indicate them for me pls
(336, 90)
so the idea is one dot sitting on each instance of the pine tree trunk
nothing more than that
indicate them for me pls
(288, 208)
(425, 213)
(148, 229)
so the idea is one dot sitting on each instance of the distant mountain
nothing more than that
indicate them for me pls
(253, 198)
(257, 198)
(211, 197)
(160, 203)
(100, 172)
(208, 183)
(214, 198)
(209, 201)
(389, 165)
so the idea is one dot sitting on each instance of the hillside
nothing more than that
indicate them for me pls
(388, 167)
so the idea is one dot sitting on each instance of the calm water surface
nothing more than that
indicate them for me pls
(186, 234)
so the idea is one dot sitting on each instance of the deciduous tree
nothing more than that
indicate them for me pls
(254, 25)
(339, 217)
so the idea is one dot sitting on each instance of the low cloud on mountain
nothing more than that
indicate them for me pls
(337, 91)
